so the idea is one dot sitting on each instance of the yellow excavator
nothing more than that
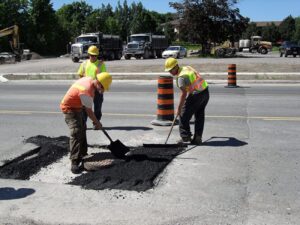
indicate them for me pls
(14, 43)
(223, 50)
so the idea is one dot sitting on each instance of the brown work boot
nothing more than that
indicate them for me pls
(184, 140)
(197, 140)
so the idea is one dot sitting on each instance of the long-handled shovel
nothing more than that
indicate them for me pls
(117, 148)
(171, 129)
(165, 145)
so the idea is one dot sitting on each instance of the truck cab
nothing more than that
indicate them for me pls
(82, 43)
(145, 45)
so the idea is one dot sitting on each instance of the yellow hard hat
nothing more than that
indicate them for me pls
(170, 64)
(93, 50)
(105, 79)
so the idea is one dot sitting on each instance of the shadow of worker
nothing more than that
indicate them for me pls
(224, 142)
(9, 193)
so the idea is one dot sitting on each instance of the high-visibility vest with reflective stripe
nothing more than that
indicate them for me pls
(197, 83)
(71, 101)
(90, 69)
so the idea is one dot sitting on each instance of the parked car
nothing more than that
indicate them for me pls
(7, 57)
(289, 48)
(175, 52)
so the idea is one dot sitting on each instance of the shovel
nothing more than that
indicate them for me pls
(117, 148)
(165, 145)
(171, 128)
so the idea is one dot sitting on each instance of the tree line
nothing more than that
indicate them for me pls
(48, 31)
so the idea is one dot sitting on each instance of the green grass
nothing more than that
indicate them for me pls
(275, 49)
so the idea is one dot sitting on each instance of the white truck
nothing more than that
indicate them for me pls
(255, 44)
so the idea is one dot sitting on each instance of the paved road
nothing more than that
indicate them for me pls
(247, 173)
(246, 62)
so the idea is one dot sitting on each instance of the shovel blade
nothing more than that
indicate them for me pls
(118, 149)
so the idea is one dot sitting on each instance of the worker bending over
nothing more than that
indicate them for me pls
(90, 68)
(193, 100)
(79, 97)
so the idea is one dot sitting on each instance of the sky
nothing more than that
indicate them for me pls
(256, 10)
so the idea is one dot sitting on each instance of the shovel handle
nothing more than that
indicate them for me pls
(171, 128)
(106, 134)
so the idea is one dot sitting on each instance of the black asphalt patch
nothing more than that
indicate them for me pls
(136, 172)
(51, 150)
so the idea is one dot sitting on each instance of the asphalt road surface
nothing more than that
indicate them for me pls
(246, 173)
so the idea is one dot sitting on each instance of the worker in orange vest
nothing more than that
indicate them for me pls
(90, 68)
(79, 98)
(193, 100)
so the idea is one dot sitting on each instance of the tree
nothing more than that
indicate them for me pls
(271, 33)
(287, 28)
(72, 18)
(14, 12)
(209, 21)
(297, 30)
(251, 30)
(43, 32)
(122, 14)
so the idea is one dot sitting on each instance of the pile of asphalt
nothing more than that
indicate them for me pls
(51, 150)
(136, 172)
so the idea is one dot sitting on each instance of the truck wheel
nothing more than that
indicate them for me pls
(146, 54)
(138, 56)
(75, 59)
(220, 52)
(263, 51)
(159, 54)
(294, 56)
(281, 54)
(118, 55)
(127, 57)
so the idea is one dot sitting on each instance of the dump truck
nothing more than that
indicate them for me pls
(15, 45)
(110, 46)
(146, 45)
(255, 44)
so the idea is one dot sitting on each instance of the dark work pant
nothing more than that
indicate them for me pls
(78, 142)
(98, 100)
(194, 105)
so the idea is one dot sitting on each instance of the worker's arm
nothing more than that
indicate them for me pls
(87, 102)
(80, 71)
(181, 100)
(92, 116)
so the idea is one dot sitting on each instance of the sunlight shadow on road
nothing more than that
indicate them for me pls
(9, 193)
(224, 142)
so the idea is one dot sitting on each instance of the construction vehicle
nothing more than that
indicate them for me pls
(255, 44)
(223, 50)
(145, 45)
(110, 46)
(15, 45)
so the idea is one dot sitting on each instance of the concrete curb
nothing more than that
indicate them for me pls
(265, 76)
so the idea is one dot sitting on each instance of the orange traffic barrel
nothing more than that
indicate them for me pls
(165, 102)
(231, 75)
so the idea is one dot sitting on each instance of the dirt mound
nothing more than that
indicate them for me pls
(36, 56)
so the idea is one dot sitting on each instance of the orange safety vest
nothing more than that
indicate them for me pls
(71, 101)
(197, 82)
